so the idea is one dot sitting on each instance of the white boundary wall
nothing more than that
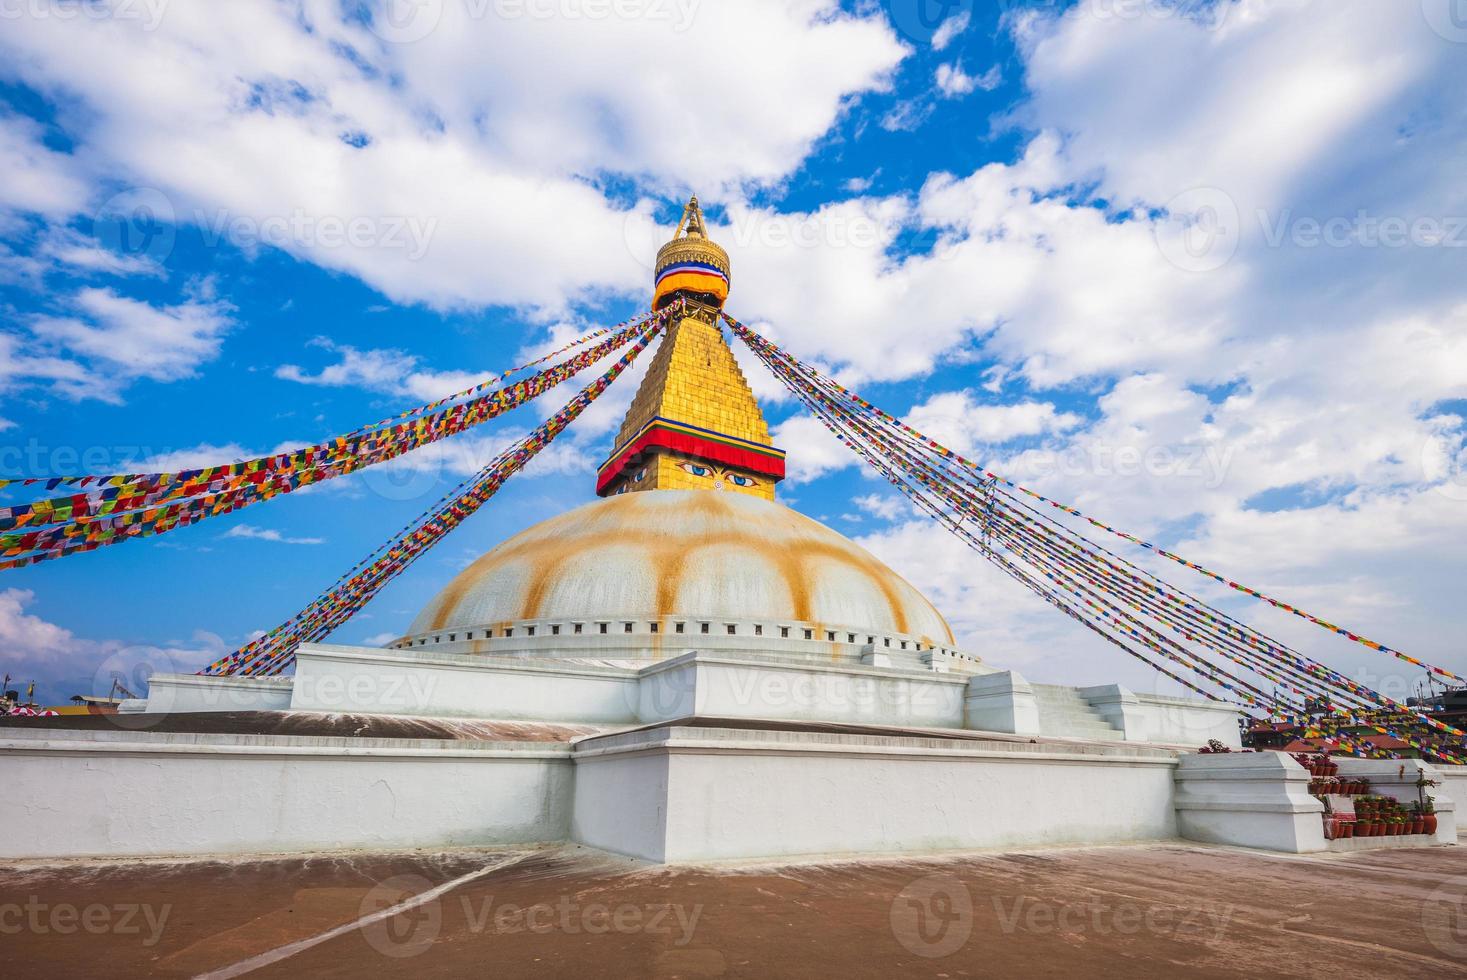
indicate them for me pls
(698, 794)
(117, 794)
(725, 688)
(363, 680)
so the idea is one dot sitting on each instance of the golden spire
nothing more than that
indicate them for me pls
(691, 264)
(694, 423)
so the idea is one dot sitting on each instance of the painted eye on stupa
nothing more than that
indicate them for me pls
(740, 481)
(696, 469)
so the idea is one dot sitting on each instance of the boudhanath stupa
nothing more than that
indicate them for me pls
(683, 669)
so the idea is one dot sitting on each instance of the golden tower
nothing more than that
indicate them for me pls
(694, 423)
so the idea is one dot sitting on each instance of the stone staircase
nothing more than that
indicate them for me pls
(1064, 713)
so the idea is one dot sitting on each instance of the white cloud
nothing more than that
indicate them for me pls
(137, 339)
(1281, 414)
(500, 181)
(393, 372)
(38, 180)
(812, 450)
(78, 252)
(949, 29)
(886, 507)
(960, 422)
(267, 534)
(466, 454)
(990, 614)
(906, 115)
(953, 82)
(23, 633)
(53, 655)
(1312, 374)
(106, 341)
(196, 457)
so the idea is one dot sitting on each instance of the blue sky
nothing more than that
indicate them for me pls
(1196, 267)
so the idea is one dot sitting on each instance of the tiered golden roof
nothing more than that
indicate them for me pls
(694, 423)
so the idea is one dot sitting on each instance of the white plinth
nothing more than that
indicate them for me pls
(683, 794)
(1001, 702)
(1251, 799)
(168, 693)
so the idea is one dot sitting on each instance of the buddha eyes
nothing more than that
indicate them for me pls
(699, 470)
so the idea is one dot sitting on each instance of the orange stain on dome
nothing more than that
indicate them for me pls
(789, 542)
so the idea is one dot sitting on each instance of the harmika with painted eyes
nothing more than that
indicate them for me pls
(717, 475)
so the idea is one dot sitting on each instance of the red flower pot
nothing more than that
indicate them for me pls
(1418, 826)
(1347, 830)
(1430, 821)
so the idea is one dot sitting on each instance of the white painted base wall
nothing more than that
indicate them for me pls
(1187, 722)
(698, 794)
(696, 684)
(667, 793)
(74, 794)
(435, 684)
(361, 680)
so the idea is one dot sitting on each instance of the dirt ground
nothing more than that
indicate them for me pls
(1136, 912)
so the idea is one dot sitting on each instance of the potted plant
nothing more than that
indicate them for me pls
(1428, 815)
